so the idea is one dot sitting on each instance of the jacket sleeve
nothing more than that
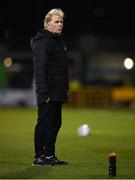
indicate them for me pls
(40, 65)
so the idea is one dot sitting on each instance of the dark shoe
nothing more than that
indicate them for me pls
(59, 162)
(43, 162)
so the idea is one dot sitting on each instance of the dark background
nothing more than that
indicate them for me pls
(99, 36)
(26, 17)
(91, 28)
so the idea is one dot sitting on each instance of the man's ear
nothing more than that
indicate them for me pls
(47, 24)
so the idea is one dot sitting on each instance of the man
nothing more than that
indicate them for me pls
(51, 80)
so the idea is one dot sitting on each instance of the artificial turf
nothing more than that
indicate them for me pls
(112, 130)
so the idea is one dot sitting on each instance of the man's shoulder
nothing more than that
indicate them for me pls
(40, 35)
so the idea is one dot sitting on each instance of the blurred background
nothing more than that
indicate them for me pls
(100, 38)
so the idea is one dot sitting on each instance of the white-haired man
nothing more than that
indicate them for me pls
(50, 64)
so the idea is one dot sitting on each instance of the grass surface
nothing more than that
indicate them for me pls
(112, 130)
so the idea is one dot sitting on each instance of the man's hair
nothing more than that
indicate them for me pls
(52, 12)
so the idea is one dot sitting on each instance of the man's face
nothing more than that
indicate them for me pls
(56, 24)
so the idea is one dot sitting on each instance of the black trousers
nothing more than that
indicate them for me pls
(47, 128)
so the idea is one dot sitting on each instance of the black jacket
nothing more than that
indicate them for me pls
(50, 65)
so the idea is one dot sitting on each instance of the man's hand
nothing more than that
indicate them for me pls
(47, 100)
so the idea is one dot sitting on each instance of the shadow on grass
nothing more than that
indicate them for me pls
(28, 173)
(69, 171)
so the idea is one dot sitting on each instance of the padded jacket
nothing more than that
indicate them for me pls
(50, 64)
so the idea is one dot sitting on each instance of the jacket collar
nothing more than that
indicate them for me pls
(45, 33)
(52, 35)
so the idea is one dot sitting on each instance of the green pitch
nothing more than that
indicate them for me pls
(112, 130)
